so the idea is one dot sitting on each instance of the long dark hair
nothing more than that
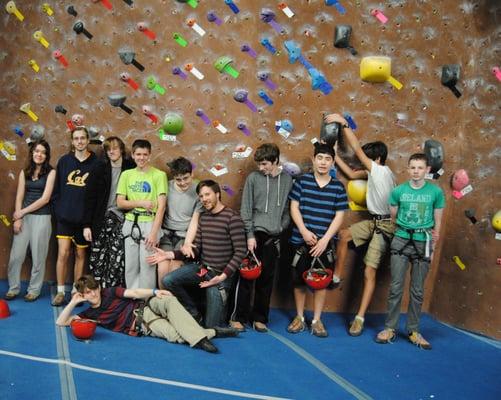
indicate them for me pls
(30, 168)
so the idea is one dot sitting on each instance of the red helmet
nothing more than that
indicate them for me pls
(317, 277)
(4, 309)
(251, 267)
(83, 329)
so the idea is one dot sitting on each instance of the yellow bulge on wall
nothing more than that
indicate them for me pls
(357, 192)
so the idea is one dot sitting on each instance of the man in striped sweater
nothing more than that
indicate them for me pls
(219, 246)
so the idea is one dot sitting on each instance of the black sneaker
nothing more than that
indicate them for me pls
(206, 345)
(226, 332)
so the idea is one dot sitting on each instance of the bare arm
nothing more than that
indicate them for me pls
(308, 236)
(47, 193)
(145, 293)
(351, 139)
(348, 171)
(125, 204)
(21, 187)
(437, 215)
(65, 317)
(192, 228)
(151, 240)
(393, 213)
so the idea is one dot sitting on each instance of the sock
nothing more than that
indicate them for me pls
(314, 321)
(60, 288)
(360, 318)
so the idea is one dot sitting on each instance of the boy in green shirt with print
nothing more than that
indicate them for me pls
(417, 206)
(142, 192)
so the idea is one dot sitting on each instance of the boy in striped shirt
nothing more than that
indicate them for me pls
(317, 208)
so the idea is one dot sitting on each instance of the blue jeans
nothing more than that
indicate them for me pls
(185, 278)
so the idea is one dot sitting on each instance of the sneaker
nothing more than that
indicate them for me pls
(357, 326)
(297, 325)
(318, 329)
(386, 336)
(10, 295)
(237, 325)
(417, 339)
(222, 332)
(259, 327)
(206, 345)
(58, 300)
(30, 297)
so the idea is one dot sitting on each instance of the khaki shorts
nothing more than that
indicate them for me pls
(363, 232)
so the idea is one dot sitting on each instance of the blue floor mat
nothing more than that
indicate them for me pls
(278, 364)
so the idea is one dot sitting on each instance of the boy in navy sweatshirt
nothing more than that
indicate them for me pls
(72, 174)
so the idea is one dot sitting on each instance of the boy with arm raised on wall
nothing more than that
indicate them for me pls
(378, 230)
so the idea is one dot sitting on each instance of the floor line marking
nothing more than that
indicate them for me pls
(141, 377)
(349, 387)
(68, 390)
(493, 342)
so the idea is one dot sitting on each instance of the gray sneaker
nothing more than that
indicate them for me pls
(318, 329)
(58, 300)
(357, 326)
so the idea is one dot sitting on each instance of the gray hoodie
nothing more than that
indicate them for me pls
(265, 204)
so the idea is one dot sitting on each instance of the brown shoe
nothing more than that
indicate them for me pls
(30, 297)
(386, 336)
(357, 326)
(237, 325)
(260, 327)
(297, 325)
(318, 329)
(58, 300)
(10, 295)
(419, 341)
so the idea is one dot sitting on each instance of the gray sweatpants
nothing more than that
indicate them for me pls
(35, 232)
(168, 319)
(138, 273)
(399, 267)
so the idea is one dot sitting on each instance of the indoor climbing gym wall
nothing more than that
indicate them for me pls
(213, 79)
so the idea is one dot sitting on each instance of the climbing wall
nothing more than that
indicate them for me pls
(249, 72)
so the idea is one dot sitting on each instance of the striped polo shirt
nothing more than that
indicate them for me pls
(115, 312)
(220, 241)
(318, 206)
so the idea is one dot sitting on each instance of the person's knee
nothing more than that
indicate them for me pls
(80, 253)
(169, 281)
(63, 251)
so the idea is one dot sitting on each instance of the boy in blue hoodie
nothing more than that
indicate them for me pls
(72, 176)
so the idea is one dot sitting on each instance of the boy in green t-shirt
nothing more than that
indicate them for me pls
(417, 206)
(142, 192)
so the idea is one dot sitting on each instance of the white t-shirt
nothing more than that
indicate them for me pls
(380, 183)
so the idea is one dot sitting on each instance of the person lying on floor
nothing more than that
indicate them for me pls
(140, 312)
